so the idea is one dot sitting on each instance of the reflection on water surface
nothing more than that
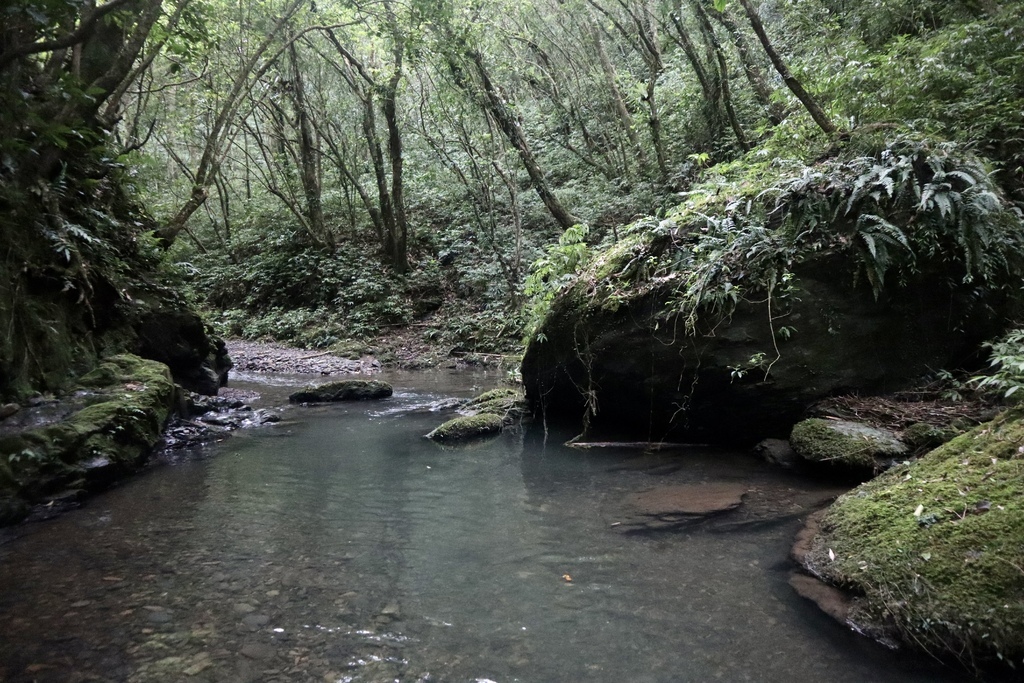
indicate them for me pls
(341, 546)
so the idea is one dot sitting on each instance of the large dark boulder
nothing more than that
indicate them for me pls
(648, 376)
(758, 297)
(178, 338)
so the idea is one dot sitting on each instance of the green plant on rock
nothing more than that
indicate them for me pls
(1007, 367)
(551, 273)
(910, 208)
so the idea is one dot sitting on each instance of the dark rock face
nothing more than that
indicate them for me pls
(739, 379)
(179, 339)
(345, 390)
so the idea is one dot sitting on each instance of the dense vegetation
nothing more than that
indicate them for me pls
(327, 172)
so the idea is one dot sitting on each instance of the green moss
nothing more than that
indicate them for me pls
(921, 436)
(936, 548)
(462, 428)
(506, 402)
(126, 420)
(843, 443)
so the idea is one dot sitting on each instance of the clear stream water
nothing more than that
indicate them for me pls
(341, 546)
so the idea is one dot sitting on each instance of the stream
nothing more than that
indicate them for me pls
(340, 546)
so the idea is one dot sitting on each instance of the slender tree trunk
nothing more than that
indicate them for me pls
(723, 69)
(387, 212)
(494, 103)
(755, 76)
(625, 118)
(399, 254)
(308, 166)
(690, 51)
(797, 88)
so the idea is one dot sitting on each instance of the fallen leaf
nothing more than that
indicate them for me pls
(567, 578)
(831, 554)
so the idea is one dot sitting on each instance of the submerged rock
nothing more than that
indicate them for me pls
(344, 390)
(669, 507)
(845, 443)
(467, 427)
(934, 548)
(777, 452)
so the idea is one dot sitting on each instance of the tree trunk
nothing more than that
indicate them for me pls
(723, 68)
(797, 88)
(308, 166)
(399, 253)
(625, 118)
(494, 103)
(755, 76)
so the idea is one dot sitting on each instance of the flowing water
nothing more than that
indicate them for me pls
(341, 546)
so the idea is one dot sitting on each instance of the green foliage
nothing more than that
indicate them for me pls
(552, 272)
(961, 76)
(909, 209)
(1006, 376)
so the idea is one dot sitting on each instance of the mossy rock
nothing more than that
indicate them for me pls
(120, 427)
(506, 402)
(936, 548)
(922, 436)
(345, 390)
(843, 443)
(468, 427)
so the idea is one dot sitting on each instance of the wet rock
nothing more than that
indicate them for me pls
(261, 417)
(344, 390)
(829, 599)
(921, 436)
(617, 337)
(12, 510)
(78, 443)
(8, 409)
(467, 427)
(258, 650)
(178, 338)
(669, 507)
(255, 621)
(244, 608)
(933, 547)
(845, 443)
(229, 420)
(506, 402)
(777, 452)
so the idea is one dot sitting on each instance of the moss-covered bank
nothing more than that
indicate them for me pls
(935, 549)
(120, 414)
